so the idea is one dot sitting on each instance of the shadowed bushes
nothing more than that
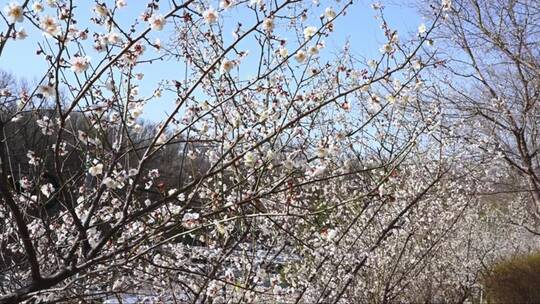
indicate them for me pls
(516, 280)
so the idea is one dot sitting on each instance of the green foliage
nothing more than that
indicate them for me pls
(515, 281)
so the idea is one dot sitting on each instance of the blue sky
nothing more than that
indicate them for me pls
(358, 26)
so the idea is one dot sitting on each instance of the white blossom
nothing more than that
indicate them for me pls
(226, 66)
(309, 32)
(210, 15)
(101, 10)
(268, 24)
(47, 190)
(300, 56)
(50, 25)
(79, 64)
(96, 170)
(329, 13)
(121, 3)
(14, 12)
(157, 22)
(37, 7)
(422, 28)
(46, 125)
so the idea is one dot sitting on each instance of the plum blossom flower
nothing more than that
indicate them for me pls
(210, 15)
(329, 13)
(300, 56)
(250, 159)
(154, 173)
(121, 3)
(21, 34)
(226, 4)
(322, 152)
(47, 190)
(157, 22)
(309, 32)
(113, 38)
(422, 28)
(33, 159)
(190, 220)
(317, 171)
(79, 64)
(47, 90)
(157, 44)
(283, 52)
(83, 137)
(191, 155)
(387, 48)
(46, 125)
(25, 183)
(101, 10)
(268, 24)
(254, 3)
(37, 7)
(377, 6)
(111, 183)
(313, 50)
(96, 170)
(5, 92)
(137, 110)
(14, 12)
(446, 4)
(50, 25)
(226, 66)
(329, 234)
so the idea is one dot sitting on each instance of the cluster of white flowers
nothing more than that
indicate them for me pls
(191, 220)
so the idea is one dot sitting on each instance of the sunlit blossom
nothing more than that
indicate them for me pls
(50, 25)
(14, 12)
(121, 3)
(21, 34)
(422, 28)
(80, 64)
(210, 15)
(225, 4)
(96, 170)
(268, 24)
(37, 7)
(309, 32)
(329, 13)
(226, 66)
(300, 56)
(113, 38)
(157, 22)
(283, 52)
(101, 10)
(47, 190)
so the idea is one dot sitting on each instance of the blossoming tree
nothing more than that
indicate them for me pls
(280, 172)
